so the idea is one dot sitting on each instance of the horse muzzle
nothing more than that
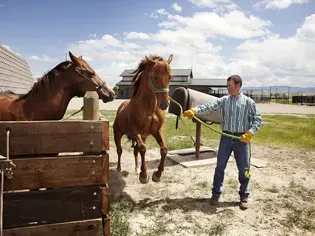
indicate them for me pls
(163, 105)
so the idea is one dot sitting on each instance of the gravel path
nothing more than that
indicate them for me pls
(76, 103)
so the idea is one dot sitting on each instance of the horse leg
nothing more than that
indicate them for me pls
(159, 137)
(143, 177)
(135, 153)
(117, 136)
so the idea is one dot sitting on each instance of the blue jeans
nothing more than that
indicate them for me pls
(240, 149)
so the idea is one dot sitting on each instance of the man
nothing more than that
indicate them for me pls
(239, 117)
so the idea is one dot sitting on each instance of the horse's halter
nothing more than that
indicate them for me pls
(99, 87)
(156, 90)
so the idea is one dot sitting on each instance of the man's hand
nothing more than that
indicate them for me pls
(246, 137)
(190, 113)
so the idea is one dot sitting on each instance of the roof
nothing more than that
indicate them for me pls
(175, 72)
(15, 74)
(191, 82)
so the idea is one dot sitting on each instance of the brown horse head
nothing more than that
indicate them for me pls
(50, 95)
(88, 80)
(154, 73)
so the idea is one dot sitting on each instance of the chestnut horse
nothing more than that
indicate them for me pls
(144, 113)
(50, 95)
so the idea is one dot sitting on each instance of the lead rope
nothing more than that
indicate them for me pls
(72, 114)
(247, 173)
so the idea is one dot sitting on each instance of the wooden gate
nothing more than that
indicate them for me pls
(60, 183)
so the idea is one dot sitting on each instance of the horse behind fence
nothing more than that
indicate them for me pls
(49, 97)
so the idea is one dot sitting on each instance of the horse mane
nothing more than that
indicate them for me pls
(43, 82)
(135, 83)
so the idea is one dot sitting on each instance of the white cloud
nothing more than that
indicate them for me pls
(161, 11)
(307, 31)
(154, 15)
(110, 40)
(176, 7)
(217, 5)
(188, 38)
(136, 35)
(279, 61)
(234, 24)
(278, 4)
(44, 58)
(261, 58)
(158, 12)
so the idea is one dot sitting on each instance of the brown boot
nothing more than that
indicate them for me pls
(244, 203)
(214, 200)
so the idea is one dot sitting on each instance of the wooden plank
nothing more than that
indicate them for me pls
(106, 227)
(61, 171)
(52, 206)
(77, 228)
(105, 134)
(105, 201)
(45, 137)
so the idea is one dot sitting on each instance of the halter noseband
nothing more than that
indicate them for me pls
(99, 86)
(157, 90)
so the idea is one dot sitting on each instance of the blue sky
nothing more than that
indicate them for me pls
(266, 42)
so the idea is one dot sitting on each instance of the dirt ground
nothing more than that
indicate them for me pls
(282, 195)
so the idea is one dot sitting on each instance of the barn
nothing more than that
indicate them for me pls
(180, 78)
(15, 74)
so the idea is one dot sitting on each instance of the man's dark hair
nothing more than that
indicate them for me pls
(236, 78)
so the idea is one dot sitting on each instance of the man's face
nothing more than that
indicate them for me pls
(233, 89)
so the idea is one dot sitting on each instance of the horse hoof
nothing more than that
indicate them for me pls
(118, 169)
(155, 178)
(138, 170)
(144, 180)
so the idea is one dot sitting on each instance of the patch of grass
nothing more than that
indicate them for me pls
(299, 202)
(282, 130)
(119, 214)
(218, 228)
(302, 192)
(157, 228)
(272, 189)
(203, 184)
(232, 183)
(300, 217)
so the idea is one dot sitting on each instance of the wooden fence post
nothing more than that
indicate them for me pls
(91, 106)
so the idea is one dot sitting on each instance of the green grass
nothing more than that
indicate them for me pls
(283, 130)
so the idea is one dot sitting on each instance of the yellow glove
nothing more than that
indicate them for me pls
(190, 113)
(246, 137)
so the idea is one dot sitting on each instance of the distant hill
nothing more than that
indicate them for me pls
(282, 89)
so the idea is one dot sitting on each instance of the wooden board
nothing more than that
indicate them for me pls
(105, 135)
(61, 171)
(189, 160)
(53, 206)
(45, 137)
(92, 227)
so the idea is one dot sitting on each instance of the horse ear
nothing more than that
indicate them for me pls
(80, 57)
(74, 59)
(150, 60)
(170, 58)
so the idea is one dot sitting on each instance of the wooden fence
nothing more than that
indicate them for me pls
(304, 100)
(60, 183)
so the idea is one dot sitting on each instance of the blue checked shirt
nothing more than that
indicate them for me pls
(238, 114)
